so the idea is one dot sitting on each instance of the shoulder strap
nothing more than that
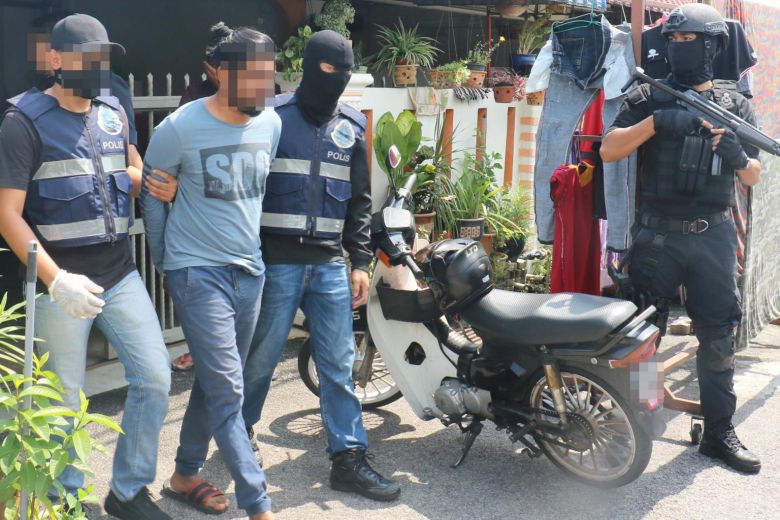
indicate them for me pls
(354, 115)
(33, 103)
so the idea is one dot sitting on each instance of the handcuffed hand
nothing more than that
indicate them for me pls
(75, 293)
(726, 144)
(163, 190)
(677, 123)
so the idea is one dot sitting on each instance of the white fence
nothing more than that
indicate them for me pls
(484, 124)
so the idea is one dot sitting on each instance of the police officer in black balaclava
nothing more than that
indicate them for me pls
(687, 235)
(318, 197)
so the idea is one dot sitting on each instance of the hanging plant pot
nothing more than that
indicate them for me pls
(405, 75)
(503, 93)
(535, 98)
(477, 75)
(423, 223)
(522, 63)
(472, 228)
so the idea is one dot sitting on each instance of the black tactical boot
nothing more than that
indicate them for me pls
(139, 508)
(720, 442)
(350, 472)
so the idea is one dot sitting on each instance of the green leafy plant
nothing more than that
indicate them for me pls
(481, 52)
(457, 71)
(291, 56)
(532, 34)
(405, 132)
(362, 60)
(335, 15)
(401, 46)
(35, 446)
(512, 208)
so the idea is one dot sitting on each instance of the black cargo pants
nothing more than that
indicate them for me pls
(706, 265)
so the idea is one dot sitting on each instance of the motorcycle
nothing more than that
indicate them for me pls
(570, 376)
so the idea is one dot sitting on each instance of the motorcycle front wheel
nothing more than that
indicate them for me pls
(604, 446)
(380, 389)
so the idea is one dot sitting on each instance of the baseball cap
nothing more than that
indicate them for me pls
(78, 29)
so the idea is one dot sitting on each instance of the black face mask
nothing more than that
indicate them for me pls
(88, 83)
(691, 62)
(319, 92)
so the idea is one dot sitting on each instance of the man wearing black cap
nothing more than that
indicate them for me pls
(64, 181)
(318, 199)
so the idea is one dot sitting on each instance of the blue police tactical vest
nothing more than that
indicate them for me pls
(81, 194)
(308, 188)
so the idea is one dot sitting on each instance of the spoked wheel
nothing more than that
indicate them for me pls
(604, 445)
(380, 388)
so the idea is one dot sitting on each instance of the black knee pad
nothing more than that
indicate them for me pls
(719, 353)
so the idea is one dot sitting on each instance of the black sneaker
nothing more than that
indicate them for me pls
(721, 442)
(139, 508)
(350, 472)
(250, 431)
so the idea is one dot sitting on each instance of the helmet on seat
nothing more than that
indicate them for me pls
(459, 270)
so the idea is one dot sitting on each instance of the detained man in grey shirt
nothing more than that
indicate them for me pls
(219, 148)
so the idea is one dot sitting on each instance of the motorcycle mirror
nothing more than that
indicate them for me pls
(393, 158)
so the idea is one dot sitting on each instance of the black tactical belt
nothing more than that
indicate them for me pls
(695, 226)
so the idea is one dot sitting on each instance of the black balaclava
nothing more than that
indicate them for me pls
(319, 92)
(691, 62)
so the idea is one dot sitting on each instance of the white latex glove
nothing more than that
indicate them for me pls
(75, 293)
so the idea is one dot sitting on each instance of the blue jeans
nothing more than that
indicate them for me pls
(218, 308)
(323, 292)
(580, 46)
(130, 323)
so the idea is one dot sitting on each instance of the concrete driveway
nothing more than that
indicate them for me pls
(496, 482)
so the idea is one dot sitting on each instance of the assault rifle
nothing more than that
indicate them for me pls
(714, 113)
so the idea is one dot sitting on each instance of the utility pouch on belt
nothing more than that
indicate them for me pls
(694, 164)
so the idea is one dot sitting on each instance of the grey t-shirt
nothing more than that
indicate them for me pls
(221, 169)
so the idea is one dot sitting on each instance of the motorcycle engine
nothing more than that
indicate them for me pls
(456, 399)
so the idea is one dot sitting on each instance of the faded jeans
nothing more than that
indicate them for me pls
(564, 106)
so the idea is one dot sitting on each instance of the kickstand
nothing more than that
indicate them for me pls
(471, 433)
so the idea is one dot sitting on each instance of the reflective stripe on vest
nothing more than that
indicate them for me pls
(303, 167)
(74, 167)
(81, 229)
(285, 221)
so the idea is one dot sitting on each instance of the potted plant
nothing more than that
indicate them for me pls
(405, 132)
(450, 75)
(472, 194)
(291, 59)
(36, 447)
(512, 218)
(478, 59)
(335, 16)
(402, 51)
(361, 60)
(507, 86)
(530, 38)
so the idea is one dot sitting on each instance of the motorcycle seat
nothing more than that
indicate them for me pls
(546, 319)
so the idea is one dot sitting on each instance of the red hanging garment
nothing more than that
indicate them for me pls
(577, 241)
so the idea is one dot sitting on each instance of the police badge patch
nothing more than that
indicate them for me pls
(343, 135)
(108, 121)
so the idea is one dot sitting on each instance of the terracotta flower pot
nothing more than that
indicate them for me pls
(487, 242)
(504, 93)
(405, 75)
(442, 79)
(476, 78)
(424, 220)
(535, 98)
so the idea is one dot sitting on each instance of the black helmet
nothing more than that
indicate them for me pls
(697, 18)
(460, 271)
